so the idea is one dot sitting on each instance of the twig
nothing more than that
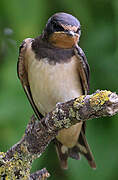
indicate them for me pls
(16, 162)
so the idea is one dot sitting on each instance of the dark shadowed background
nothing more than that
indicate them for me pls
(99, 23)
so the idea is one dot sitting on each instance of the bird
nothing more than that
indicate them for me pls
(52, 68)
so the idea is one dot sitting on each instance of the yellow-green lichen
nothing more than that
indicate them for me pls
(23, 148)
(2, 154)
(60, 123)
(79, 102)
(57, 123)
(66, 122)
(99, 98)
(72, 113)
(15, 164)
(77, 115)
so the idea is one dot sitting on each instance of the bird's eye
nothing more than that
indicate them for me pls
(57, 27)
(78, 31)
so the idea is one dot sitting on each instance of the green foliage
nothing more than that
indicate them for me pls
(99, 24)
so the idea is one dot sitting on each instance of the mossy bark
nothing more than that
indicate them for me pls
(16, 162)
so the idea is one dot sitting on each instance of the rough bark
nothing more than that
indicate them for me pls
(16, 162)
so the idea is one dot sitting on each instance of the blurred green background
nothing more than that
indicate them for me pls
(99, 23)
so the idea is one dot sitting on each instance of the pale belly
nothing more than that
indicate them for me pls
(51, 84)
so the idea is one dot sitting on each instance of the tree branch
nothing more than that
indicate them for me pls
(16, 162)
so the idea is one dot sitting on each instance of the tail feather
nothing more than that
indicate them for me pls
(73, 153)
(84, 149)
(81, 147)
(62, 155)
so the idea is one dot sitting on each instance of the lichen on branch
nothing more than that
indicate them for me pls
(17, 162)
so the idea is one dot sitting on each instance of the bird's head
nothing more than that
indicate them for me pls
(62, 30)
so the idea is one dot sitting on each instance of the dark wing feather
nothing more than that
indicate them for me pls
(84, 73)
(23, 76)
(84, 70)
(84, 149)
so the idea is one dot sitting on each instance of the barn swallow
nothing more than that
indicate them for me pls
(52, 68)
